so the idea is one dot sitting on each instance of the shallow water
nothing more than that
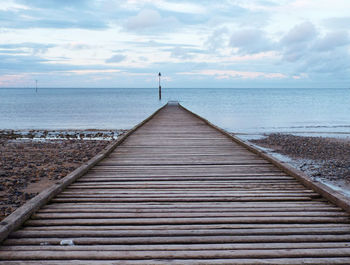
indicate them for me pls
(247, 111)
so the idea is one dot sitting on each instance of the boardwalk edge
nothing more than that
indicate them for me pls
(20, 215)
(328, 193)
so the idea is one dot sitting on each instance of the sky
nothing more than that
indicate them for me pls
(229, 43)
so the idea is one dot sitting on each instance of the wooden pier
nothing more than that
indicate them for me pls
(177, 190)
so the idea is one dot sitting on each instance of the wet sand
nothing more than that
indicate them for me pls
(323, 159)
(29, 166)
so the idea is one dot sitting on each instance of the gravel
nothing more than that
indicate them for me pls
(319, 157)
(27, 166)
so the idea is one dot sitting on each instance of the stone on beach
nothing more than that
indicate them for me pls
(321, 157)
(27, 167)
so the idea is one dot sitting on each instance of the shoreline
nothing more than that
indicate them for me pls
(324, 159)
(33, 160)
(62, 134)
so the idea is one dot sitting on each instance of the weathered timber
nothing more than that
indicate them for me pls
(178, 190)
(19, 216)
(244, 261)
(324, 190)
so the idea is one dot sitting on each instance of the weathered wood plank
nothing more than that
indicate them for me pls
(197, 232)
(245, 261)
(296, 239)
(179, 227)
(184, 215)
(178, 191)
(170, 247)
(190, 220)
(92, 209)
(174, 254)
(237, 205)
(176, 199)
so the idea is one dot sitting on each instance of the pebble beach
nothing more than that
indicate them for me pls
(31, 162)
(322, 158)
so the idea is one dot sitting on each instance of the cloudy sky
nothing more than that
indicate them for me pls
(232, 43)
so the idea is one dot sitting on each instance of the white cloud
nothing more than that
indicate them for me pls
(217, 39)
(300, 33)
(293, 38)
(181, 7)
(117, 58)
(92, 71)
(148, 19)
(300, 76)
(338, 22)
(15, 80)
(227, 74)
(11, 5)
(333, 40)
(181, 53)
(258, 5)
(311, 52)
(251, 41)
(145, 19)
(174, 6)
(76, 46)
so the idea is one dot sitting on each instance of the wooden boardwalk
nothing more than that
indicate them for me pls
(178, 191)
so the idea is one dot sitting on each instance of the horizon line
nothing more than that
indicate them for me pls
(173, 87)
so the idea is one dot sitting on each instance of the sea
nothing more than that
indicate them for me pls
(244, 111)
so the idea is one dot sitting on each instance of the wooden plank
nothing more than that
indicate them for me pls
(176, 199)
(192, 220)
(171, 247)
(184, 215)
(174, 254)
(208, 175)
(185, 210)
(236, 185)
(238, 205)
(245, 261)
(256, 181)
(178, 191)
(14, 220)
(175, 232)
(296, 239)
(324, 190)
(185, 193)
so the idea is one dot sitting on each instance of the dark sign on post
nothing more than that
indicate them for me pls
(160, 88)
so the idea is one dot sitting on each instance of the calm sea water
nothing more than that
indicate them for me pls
(237, 110)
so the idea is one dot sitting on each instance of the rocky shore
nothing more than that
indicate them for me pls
(90, 134)
(27, 166)
(325, 159)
